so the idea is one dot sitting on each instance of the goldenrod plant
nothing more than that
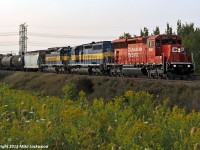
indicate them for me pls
(131, 121)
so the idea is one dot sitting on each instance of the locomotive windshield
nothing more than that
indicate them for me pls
(98, 47)
(108, 47)
(169, 41)
(64, 50)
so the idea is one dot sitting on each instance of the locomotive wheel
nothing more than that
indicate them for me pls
(169, 76)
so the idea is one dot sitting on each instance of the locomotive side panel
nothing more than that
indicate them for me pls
(120, 51)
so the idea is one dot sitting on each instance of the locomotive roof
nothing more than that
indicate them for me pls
(100, 42)
(119, 40)
(140, 38)
(160, 35)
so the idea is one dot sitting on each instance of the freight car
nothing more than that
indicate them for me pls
(1, 57)
(17, 62)
(33, 60)
(6, 62)
(159, 56)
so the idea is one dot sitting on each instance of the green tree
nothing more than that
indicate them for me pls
(125, 36)
(185, 29)
(190, 37)
(156, 31)
(144, 32)
(192, 44)
(179, 27)
(168, 30)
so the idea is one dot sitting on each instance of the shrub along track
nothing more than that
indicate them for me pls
(184, 93)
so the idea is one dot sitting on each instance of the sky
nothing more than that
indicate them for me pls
(53, 23)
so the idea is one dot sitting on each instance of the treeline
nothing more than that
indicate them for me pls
(189, 33)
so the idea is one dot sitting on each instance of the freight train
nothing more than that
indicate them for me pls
(157, 56)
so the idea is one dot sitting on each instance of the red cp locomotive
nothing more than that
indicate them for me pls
(158, 56)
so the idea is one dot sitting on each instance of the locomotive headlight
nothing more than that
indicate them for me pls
(174, 66)
(188, 66)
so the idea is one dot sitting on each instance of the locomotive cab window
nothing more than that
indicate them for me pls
(173, 41)
(65, 51)
(68, 53)
(151, 44)
(97, 47)
(165, 41)
(157, 43)
(169, 41)
(179, 42)
(88, 47)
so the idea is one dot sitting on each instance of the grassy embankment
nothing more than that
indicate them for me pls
(185, 95)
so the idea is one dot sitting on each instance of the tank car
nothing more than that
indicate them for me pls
(6, 62)
(17, 62)
(159, 56)
(1, 57)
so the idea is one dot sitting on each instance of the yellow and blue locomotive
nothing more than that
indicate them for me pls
(91, 58)
(57, 59)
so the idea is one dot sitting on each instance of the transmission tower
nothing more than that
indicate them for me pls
(23, 39)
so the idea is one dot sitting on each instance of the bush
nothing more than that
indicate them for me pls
(70, 92)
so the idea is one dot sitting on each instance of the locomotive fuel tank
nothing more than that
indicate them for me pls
(131, 71)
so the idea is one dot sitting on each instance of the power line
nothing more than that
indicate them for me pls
(68, 36)
(34, 43)
(57, 35)
(8, 34)
(9, 45)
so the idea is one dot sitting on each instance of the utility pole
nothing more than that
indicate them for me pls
(23, 39)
